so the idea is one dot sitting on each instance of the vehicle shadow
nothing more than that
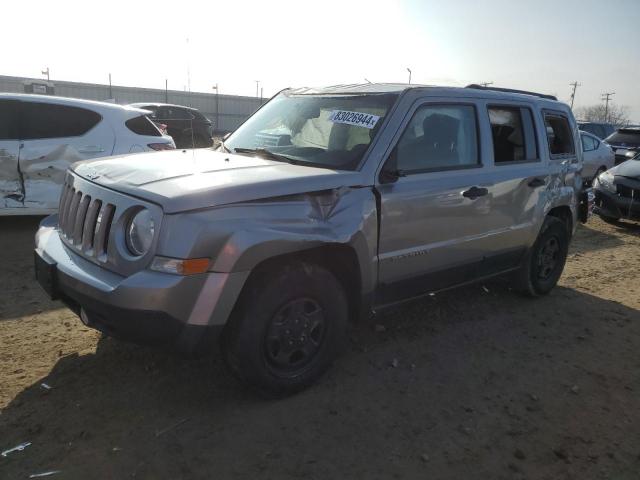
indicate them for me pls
(448, 386)
(588, 239)
(20, 294)
(627, 226)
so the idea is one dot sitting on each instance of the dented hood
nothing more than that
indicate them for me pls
(181, 180)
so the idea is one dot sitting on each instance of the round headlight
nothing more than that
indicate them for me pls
(140, 233)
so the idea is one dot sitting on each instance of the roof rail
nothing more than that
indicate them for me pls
(511, 90)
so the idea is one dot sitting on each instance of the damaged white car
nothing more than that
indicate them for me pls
(40, 136)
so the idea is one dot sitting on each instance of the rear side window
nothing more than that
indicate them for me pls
(439, 137)
(8, 120)
(588, 143)
(198, 116)
(559, 135)
(143, 126)
(513, 134)
(46, 120)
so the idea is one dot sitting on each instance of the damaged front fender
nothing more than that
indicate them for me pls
(239, 237)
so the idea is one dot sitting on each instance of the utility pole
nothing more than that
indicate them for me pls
(486, 84)
(409, 70)
(46, 72)
(606, 97)
(166, 90)
(575, 85)
(110, 91)
(257, 83)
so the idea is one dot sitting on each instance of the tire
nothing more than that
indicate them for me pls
(288, 327)
(545, 261)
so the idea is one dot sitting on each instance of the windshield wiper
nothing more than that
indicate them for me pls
(263, 152)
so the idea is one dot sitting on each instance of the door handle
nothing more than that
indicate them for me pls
(537, 182)
(475, 192)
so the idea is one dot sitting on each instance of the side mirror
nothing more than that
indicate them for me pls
(390, 172)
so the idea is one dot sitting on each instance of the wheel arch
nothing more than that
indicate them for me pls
(563, 213)
(340, 259)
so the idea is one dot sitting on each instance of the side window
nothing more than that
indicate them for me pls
(439, 137)
(513, 134)
(175, 113)
(588, 144)
(47, 120)
(559, 135)
(8, 120)
(162, 113)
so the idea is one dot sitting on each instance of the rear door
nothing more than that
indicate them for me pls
(11, 193)
(53, 137)
(521, 176)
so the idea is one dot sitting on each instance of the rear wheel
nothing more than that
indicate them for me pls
(289, 326)
(545, 261)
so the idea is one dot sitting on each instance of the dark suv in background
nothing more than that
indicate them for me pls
(188, 127)
(625, 143)
(599, 129)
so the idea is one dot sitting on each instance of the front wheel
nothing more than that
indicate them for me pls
(545, 261)
(289, 326)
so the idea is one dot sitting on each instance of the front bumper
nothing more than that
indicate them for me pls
(613, 205)
(146, 307)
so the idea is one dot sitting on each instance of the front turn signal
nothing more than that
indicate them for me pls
(177, 266)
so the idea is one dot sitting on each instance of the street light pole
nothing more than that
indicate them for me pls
(409, 70)
(46, 72)
(257, 83)
(217, 126)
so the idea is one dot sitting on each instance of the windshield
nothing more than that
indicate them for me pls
(319, 130)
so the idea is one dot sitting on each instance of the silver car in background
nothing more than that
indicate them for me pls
(326, 205)
(40, 136)
(597, 156)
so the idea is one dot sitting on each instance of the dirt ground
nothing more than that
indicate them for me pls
(477, 383)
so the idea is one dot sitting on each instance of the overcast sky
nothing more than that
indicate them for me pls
(541, 45)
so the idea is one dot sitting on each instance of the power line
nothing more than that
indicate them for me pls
(575, 86)
(606, 97)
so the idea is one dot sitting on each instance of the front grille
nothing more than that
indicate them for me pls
(628, 192)
(85, 222)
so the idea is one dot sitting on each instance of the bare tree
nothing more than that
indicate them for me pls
(617, 114)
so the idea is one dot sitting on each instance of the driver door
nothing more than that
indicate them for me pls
(435, 201)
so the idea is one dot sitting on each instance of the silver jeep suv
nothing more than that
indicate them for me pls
(324, 206)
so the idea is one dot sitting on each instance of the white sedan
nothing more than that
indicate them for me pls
(40, 136)
(597, 156)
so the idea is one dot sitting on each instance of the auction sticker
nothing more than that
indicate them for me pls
(357, 119)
